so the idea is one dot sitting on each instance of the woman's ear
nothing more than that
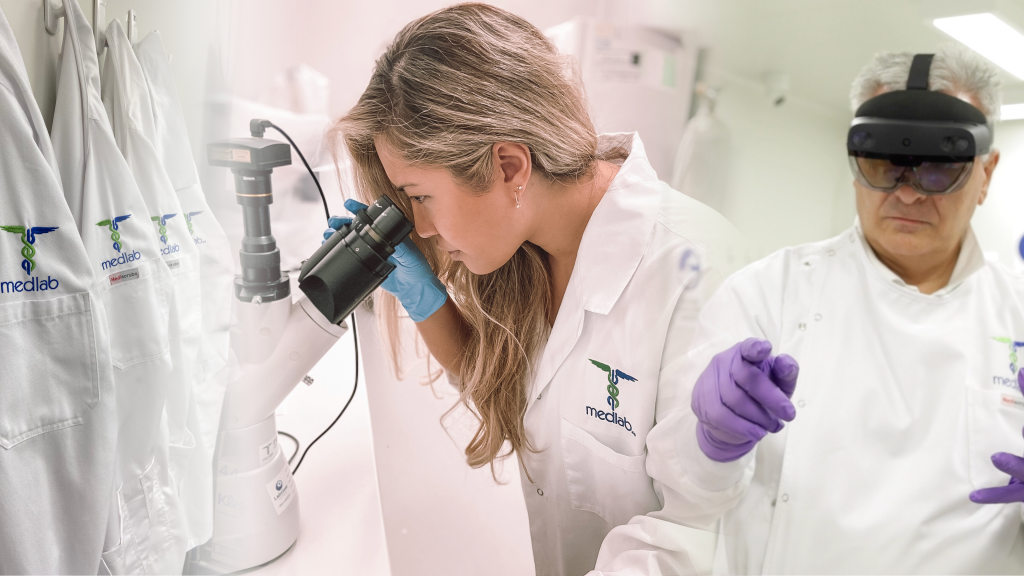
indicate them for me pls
(512, 163)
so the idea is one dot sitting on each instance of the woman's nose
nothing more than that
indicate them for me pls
(424, 227)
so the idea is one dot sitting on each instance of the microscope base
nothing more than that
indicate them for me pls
(256, 513)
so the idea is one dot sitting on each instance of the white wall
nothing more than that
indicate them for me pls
(999, 223)
(39, 49)
(186, 28)
(788, 182)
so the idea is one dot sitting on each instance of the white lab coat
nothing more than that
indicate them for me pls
(58, 421)
(901, 401)
(648, 259)
(136, 287)
(126, 99)
(170, 139)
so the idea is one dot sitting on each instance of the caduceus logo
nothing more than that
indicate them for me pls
(28, 240)
(1013, 345)
(613, 382)
(162, 221)
(112, 225)
(188, 220)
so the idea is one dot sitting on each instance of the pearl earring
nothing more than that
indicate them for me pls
(518, 189)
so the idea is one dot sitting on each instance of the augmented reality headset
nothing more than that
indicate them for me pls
(917, 137)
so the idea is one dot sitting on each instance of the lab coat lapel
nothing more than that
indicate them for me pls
(564, 334)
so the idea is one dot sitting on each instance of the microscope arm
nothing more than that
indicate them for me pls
(276, 345)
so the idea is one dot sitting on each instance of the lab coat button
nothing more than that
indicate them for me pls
(817, 317)
(831, 252)
(807, 264)
(802, 326)
(540, 492)
(773, 502)
(801, 403)
(785, 497)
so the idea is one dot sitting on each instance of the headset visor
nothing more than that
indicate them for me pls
(927, 175)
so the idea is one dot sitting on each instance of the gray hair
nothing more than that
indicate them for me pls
(955, 70)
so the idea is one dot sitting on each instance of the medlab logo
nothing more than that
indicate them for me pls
(614, 376)
(124, 256)
(28, 264)
(188, 220)
(162, 222)
(1012, 347)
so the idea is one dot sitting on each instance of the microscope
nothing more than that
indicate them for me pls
(276, 341)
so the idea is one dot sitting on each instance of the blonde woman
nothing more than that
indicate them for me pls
(551, 273)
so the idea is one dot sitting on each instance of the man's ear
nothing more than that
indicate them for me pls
(989, 166)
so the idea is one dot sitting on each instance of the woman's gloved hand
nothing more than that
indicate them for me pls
(741, 396)
(412, 281)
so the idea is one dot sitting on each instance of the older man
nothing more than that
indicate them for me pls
(898, 449)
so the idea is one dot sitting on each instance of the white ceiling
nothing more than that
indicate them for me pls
(820, 44)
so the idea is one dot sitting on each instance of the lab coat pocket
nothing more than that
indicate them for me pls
(49, 375)
(614, 486)
(995, 419)
(138, 316)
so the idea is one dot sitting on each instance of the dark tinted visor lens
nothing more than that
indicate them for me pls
(939, 176)
(879, 173)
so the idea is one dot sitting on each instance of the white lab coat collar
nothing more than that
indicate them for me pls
(970, 260)
(620, 227)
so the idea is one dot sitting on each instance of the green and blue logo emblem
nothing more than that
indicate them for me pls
(28, 264)
(188, 220)
(162, 222)
(28, 240)
(1013, 346)
(124, 256)
(112, 225)
(613, 382)
(614, 377)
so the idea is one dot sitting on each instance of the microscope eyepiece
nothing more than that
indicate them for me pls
(353, 262)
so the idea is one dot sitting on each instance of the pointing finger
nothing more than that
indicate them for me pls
(354, 206)
(1000, 495)
(784, 373)
(1010, 464)
(755, 350)
(762, 389)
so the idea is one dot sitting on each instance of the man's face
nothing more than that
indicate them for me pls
(905, 225)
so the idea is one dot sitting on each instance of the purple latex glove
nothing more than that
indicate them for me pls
(1012, 465)
(741, 396)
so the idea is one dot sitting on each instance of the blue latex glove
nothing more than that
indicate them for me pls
(1010, 464)
(412, 281)
(741, 396)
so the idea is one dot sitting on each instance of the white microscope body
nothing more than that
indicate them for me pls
(275, 341)
(256, 506)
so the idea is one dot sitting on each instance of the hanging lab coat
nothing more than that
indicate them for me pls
(58, 421)
(648, 259)
(136, 287)
(127, 103)
(170, 139)
(902, 400)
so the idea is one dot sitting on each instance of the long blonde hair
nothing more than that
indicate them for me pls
(450, 86)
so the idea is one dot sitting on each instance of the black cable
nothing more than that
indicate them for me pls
(297, 445)
(355, 385)
(355, 335)
(316, 181)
